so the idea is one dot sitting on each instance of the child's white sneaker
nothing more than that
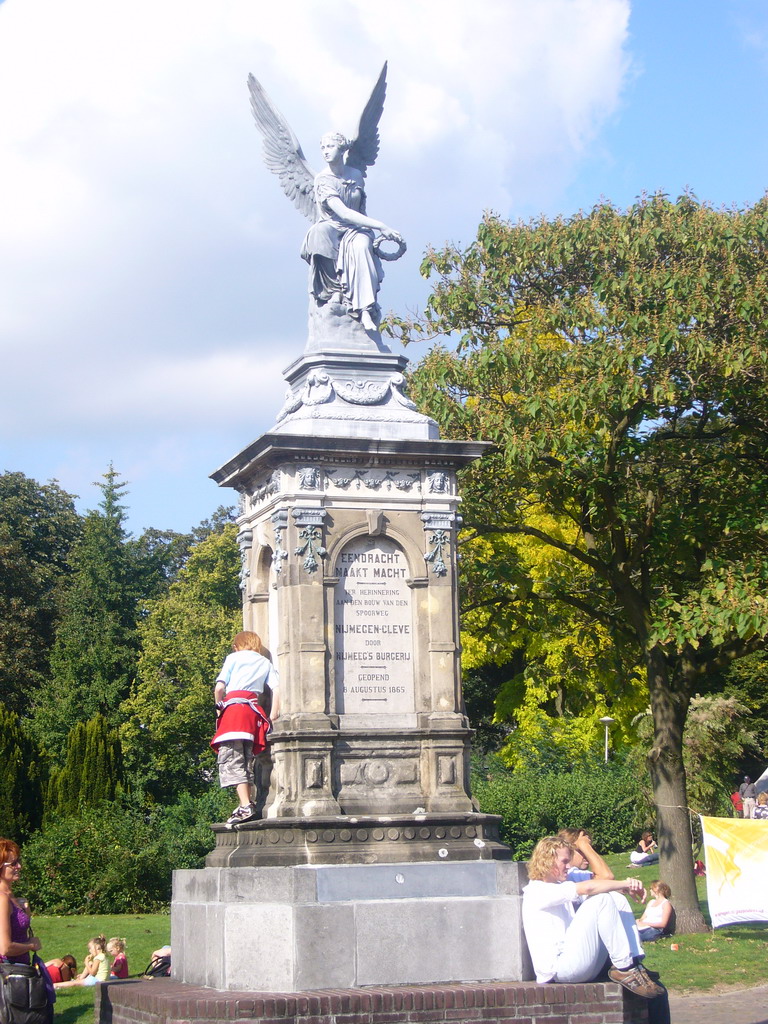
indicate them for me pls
(242, 814)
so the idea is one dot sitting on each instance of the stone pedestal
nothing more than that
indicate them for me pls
(349, 574)
(371, 864)
(288, 929)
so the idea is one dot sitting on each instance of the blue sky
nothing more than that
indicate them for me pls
(692, 112)
(150, 287)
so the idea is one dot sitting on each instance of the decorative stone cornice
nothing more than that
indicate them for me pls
(319, 389)
(396, 838)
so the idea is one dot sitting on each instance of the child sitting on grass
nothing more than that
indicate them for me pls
(96, 965)
(116, 948)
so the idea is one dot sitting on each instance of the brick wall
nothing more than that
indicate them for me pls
(162, 1001)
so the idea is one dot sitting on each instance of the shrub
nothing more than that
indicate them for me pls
(114, 859)
(603, 799)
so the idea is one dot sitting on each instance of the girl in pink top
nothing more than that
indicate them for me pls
(116, 948)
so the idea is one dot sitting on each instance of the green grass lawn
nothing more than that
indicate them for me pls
(729, 956)
(60, 935)
(737, 955)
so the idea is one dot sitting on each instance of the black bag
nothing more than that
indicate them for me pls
(158, 967)
(23, 995)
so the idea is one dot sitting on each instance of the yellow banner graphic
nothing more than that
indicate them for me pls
(736, 851)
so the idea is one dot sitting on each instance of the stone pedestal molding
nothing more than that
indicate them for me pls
(359, 839)
(330, 393)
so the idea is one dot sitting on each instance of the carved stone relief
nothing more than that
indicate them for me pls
(379, 772)
(440, 523)
(311, 535)
(245, 543)
(320, 389)
(437, 482)
(267, 489)
(279, 554)
(376, 480)
(309, 478)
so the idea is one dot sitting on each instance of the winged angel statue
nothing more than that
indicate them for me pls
(343, 245)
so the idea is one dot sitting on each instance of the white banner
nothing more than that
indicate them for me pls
(736, 851)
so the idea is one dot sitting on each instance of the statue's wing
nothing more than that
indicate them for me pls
(365, 148)
(282, 153)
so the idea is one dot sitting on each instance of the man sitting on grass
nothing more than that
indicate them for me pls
(573, 928)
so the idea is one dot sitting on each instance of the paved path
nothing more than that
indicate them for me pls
(733, 1006)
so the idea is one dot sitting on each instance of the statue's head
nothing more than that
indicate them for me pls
(333, 141)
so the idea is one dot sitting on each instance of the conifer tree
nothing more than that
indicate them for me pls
(94, 658)
(92, 772)
(21, 779)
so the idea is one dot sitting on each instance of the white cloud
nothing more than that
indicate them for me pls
(148, 259)
(155, 393)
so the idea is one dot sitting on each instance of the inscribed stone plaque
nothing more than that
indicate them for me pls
(373, 629)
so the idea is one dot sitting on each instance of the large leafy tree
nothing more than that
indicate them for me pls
(38, 526)
(619, 361)
(159, 556)
(557, 670)
(184, 638)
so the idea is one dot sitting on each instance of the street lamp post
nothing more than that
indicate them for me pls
(606, 720)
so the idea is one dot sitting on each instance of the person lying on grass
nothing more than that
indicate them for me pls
(62, 968)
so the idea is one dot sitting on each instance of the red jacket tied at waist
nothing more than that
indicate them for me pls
(242, 719)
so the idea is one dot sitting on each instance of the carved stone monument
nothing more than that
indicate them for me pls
(369, 844)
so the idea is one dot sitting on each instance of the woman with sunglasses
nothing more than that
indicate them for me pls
(17, 940)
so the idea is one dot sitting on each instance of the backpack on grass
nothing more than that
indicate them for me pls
(158, 967)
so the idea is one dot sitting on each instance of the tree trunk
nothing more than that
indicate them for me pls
(665, 763)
